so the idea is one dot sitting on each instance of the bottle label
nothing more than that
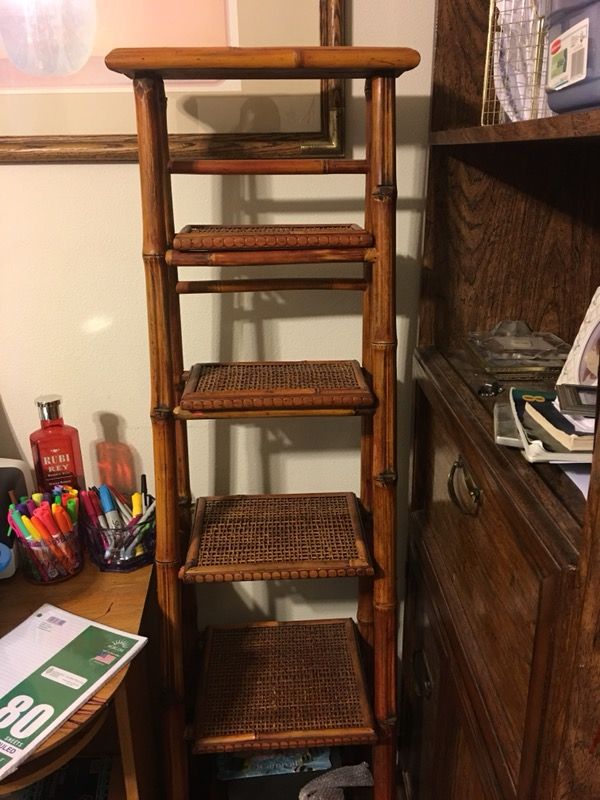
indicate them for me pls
(56, 463)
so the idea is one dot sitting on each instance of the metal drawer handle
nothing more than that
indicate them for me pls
(422, 678)
(472, 488)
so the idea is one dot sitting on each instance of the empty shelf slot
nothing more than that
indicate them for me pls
(280, 685)
(273, 537)
(269, 385)
(270, 237)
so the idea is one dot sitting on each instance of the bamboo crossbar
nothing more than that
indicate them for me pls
(269, 166)
(269, 285)
(247, 258)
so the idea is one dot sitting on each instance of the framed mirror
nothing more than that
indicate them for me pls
(51, 118)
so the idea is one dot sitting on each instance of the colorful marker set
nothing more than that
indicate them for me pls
(120, 536)
(46, 529)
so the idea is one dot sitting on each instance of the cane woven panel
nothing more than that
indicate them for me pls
(272, 537)
(270, 385)
(282, 685)
(269, 237)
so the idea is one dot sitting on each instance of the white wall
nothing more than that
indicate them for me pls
(73, 319)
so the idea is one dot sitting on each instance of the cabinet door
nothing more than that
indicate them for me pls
(436, 752)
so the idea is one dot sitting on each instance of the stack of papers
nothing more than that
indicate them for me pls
(52, 663)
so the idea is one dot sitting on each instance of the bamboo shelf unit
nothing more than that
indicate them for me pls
(274, 684)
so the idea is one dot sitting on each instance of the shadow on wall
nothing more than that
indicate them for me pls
(117, 462)
(256, 601)
(9, 446)
(243, 201)
(258, 114)
(297, 114)
(247, 332)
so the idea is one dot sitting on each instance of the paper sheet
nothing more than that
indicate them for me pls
(52, 663)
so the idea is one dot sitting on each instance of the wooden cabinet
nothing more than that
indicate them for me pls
(501, 664)
(437, 748)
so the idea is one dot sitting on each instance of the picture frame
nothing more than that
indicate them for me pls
(327, 140)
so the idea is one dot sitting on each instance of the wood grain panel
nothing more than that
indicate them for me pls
(442, 753)
(504, 243)
(494, 590)
(459, 63)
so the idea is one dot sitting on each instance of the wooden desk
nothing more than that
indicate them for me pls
(115, 599)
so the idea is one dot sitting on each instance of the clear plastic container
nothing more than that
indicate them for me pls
(573, 78)
(51, 561)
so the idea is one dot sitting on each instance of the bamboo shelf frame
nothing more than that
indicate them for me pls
(177, 398)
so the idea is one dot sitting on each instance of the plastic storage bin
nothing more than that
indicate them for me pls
(573, 77)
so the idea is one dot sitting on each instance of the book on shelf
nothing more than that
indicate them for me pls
(52, 663)
(546, 435)
(556, 431)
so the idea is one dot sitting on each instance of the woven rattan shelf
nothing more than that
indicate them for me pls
(273, 537)
(276, 386)
(277, 685)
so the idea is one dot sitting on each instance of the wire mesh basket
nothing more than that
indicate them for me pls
(515, 69)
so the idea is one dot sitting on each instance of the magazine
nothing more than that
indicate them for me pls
(52, 663)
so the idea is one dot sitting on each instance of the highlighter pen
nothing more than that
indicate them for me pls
(30, 528)
(136, 504)
(46, 537)
(62, 519)
(48, 541)
(44, 514)
(72, 507)
(15, 522)
(15, 516)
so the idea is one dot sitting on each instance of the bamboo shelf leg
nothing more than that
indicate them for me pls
(384, 476)
(149, 97)
(365, 586)
(181, 444)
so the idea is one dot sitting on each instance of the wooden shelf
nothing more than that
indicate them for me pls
(282, 684)
(274, 537)
(576, 125)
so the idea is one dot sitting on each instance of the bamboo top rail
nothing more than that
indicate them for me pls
(262, 62)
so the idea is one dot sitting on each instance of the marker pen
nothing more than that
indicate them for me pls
(107, 503)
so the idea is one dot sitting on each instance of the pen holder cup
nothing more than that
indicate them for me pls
(121, 550)
(43, 562)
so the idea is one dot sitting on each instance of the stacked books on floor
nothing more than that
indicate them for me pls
(546, 432)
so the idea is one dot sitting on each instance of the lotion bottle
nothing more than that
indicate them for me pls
(55, 448)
